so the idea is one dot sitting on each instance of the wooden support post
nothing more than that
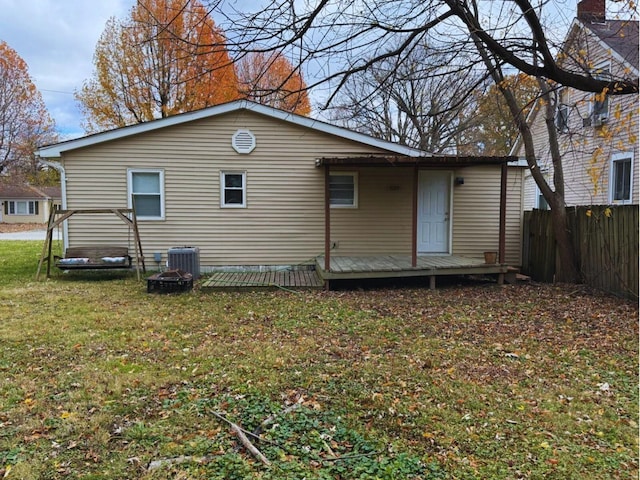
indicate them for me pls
(327, 221)
(432, 282)
(503, 215)
(414, 219)
(46, 248)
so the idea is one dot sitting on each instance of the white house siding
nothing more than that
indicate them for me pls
(588, 149)
(476, 212)
(284, 219)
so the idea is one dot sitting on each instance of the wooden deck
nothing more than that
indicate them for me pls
(398, 266)
(354, 268)
(287, 279)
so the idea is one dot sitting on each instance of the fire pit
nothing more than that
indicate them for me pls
(170, 281)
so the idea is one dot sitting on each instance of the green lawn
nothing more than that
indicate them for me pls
(99, 379)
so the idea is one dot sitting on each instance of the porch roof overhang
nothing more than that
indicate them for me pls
(457, 161)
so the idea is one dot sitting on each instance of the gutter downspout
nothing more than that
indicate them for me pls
(63, 191)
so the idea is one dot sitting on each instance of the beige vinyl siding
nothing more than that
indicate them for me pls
(283, 222)
(284, 219)
(514, 216)
(381, 224)
(476, 212)
(22, 218)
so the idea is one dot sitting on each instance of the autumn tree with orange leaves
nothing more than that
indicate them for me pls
(271, 79)
(168, 57)
(495, 132)
(24, 120)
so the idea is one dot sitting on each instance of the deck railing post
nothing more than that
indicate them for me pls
(414, 219)
(327, 221)
(503, 214)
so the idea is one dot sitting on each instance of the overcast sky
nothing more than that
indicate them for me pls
(57, 39)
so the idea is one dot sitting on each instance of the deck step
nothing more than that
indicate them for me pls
(286, 279)
(514, 276)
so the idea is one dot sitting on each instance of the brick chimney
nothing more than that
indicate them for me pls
(592, 11)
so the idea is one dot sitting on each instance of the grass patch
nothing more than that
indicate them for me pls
(99, 380)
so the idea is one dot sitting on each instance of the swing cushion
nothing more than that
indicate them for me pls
(95, 257)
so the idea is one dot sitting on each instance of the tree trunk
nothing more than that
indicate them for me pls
(566, 268)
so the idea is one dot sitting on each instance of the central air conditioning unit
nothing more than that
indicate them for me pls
(186, 259)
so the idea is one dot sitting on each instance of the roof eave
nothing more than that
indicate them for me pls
(412, 161)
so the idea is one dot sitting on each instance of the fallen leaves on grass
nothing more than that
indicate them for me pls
(463, 377)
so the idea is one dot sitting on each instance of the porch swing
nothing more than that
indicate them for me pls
(92, 257)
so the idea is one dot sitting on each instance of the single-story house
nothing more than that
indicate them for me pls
(27, 203)
(253, 186)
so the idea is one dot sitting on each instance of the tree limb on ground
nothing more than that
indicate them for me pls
(242, 436)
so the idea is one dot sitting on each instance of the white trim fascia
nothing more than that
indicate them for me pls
(63, 194)
(56, 150)
(521, 163)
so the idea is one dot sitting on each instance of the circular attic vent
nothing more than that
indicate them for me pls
(243, 141)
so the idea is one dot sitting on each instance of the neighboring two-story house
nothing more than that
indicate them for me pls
(597, 133)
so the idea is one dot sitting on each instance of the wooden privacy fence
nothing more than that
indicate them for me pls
(605, 240)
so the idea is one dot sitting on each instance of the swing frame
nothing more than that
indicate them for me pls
(58, 215)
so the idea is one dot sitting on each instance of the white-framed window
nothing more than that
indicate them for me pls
(146, 192)
(233, 189)
(621, 178)
(343, 189)
(562, 112)
(600, 102)
(21, 207)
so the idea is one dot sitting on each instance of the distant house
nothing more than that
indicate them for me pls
(598, 134)
(251, 185)
(27, 203)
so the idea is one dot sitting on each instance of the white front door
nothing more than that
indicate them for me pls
(433, 211)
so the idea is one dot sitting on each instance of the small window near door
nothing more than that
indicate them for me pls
(621, 176)
(233, 189)
(343, 190)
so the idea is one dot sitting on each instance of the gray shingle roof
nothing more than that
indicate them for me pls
(621, 36)
(28, 191)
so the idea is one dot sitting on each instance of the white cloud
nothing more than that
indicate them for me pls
(57, 39)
